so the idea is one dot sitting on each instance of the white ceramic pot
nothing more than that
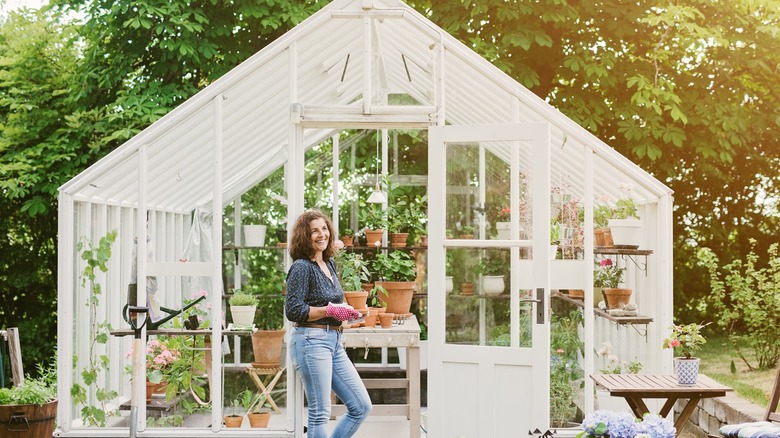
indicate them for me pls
(254, 235)
(449, 285)
(626, 231)
(243, 315)
(503, 230)
(493, 284)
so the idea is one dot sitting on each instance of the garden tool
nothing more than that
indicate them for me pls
(136, 312)
(132, 291)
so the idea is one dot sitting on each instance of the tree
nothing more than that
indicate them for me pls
(37, 154)
(689, 91)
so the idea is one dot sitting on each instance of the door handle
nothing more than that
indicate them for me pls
(539, 300)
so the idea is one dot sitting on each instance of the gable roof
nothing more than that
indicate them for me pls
(414, 73)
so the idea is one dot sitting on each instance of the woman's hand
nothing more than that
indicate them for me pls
(341, 312)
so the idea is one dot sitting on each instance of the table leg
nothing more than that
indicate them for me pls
(668, 406)
(685, 414)
(267, 385)
(638, 406)
(413, 394)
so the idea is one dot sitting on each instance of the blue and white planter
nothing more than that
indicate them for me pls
(687, 370)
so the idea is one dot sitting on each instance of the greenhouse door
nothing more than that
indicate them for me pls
(489, 347)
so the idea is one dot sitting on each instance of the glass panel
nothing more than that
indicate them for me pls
(478, 206)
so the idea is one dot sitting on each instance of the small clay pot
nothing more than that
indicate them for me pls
(371, 317)
(386, 319)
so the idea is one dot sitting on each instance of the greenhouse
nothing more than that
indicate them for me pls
(370, 112)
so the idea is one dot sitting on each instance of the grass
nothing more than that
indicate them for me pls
(720, 361)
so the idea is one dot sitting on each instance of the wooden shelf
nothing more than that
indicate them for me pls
(622, 251)
(639, 319)
(179, 332)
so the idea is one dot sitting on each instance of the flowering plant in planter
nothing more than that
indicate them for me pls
(624, 425)
(607, 274)
(614, 365)
(687, 338)
(504, 215)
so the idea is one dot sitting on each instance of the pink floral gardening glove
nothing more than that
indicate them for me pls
(341, 312)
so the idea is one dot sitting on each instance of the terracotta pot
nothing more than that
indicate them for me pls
(386, 319)
(267, 348)
(348, 240)
(378, 311)
(616, 298)
(466, 236)
(603, 237)
(233, 420)
(372, 317)
(356, 299)
(374, 236)
(398, 240)
(150, 387)
(577, 293)
(424, 240)
(399, 296)
(467, 288)
(259, 419)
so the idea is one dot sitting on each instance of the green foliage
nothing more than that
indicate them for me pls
(746, 299)
(687, 338)
(565, 372)
(395, 266)
(241, 298)
(35, 390)
(352, 270)
(495, 262)
(96, 259)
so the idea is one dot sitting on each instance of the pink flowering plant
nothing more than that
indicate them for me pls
(159, 359)
(687, 338)
(607, 274)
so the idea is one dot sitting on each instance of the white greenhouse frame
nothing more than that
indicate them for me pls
(301, 89)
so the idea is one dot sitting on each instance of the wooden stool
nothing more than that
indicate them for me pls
(266, 385)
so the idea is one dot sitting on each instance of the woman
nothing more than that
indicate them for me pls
(314, 303)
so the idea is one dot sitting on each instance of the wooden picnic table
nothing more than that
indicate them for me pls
(637, 387)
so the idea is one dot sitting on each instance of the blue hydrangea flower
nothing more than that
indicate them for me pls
(656, 427)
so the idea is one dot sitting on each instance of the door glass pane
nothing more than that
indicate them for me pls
(478, 206)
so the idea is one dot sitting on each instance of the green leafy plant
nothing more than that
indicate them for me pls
(372, 216)
(352, 270)
(241, 298)
(347, 232)
(96, 258)
(34, 391)
(254, 402)
(565, 370)
(744, 296)
(495, 262)
(373, 296)
(395, 266)
(554, 231)
(687, 338)
(466, 230)
(270, 296)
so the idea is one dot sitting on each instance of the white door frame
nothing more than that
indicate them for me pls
(491, 361)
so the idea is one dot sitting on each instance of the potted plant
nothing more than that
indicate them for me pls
(397, 274)
(353, 272)
(242, 306)
(625, 225)
(347, 236)
(609, 276)
(268, 339)
(467, 232)
(688, 339)
(34, 404)
(234, 420)
(254, 405)
(493, 267)
(503, 224)
(374, 221)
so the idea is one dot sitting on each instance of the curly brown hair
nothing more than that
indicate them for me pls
(300, 243)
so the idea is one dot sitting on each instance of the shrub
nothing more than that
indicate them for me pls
(746, 299)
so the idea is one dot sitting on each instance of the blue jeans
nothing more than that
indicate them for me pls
(323, 364)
